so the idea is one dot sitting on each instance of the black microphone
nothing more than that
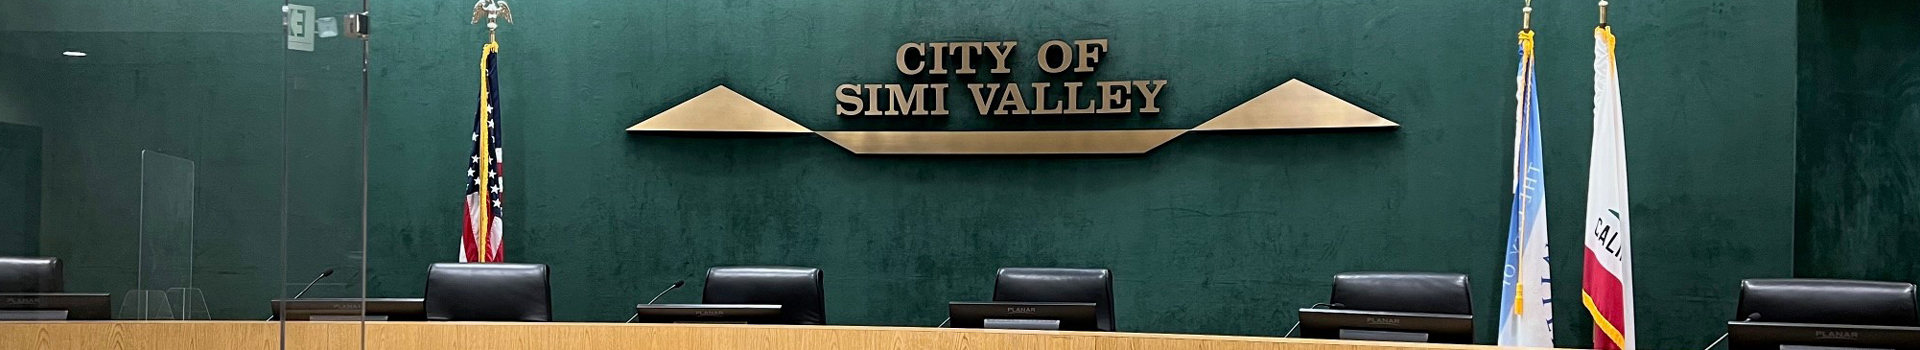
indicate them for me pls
(303, 291)
(676, 285)
(323, 274)
(1296, 323)
(1723, 336)
(656, 297)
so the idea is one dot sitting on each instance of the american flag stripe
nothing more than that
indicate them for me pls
(481, 240)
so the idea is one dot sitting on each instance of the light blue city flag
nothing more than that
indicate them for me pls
(1526, 289)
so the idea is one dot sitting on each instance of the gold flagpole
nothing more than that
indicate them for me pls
(492, 10)
(1603, 13)
(1526, 17)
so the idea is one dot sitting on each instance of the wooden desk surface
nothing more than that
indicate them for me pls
(257, 335)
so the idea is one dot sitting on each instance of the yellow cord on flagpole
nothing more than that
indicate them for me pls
(485, 163)
(492, 10)
(1526, 43)
(1526, 58)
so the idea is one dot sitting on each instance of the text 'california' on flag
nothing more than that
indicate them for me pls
(1526, 297)
(1607, 284)
(481, 240)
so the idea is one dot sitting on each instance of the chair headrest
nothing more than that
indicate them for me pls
(1829, 301)
(31, 275)
(1423, 292)
(488, 292)
(1028, 284)
(798, 290)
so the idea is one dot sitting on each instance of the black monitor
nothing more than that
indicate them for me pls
(1023, 315)
(708, 313)
(348, 309)
(1789, 336)
(1387, 326)
(55, 306)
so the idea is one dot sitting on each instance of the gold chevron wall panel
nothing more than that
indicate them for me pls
(1002, 142)
(1293, 105)
(720, 110)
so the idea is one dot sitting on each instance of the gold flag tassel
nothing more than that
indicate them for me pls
(1526, 57)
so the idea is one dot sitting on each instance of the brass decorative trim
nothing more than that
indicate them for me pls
(720, 110)
(1295, 105)
(1002, 142)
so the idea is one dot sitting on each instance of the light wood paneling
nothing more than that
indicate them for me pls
(255, 335)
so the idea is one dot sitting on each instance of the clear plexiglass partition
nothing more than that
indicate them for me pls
(164, 289)
(189, 160)
(325, 80)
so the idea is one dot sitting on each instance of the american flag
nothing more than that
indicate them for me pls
(481, 241)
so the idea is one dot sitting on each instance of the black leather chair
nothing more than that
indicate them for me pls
(1422, 292)
(488, 292)
(1026, 284)
(798, 290)
(1829, 302)
(31, 275)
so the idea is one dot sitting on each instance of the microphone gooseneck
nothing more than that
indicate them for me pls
(656, 297)
(676, 285)
(303, 291)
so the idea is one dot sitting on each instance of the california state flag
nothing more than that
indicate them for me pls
(1607, 285)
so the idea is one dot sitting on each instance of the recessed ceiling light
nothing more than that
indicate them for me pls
(74, 54)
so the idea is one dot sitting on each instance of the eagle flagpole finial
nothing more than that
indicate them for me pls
(492, 10)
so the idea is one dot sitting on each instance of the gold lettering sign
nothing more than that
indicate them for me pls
(993, 99)
(1293, 105)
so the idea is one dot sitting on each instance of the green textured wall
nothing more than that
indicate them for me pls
(1859, 164)
(19, 190)
(20, 155)
(1218, 233)
(16, 93)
